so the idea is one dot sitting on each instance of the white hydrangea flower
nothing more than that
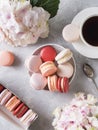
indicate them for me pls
(91, 99)
(20, 24)
(79, 114)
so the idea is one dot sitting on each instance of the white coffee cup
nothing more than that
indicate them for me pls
(85, 31)
(89, 31)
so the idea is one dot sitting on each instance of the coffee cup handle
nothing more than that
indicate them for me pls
(71, 33)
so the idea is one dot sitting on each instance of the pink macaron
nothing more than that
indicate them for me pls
(1, 88)
(63, 84)
(33, 63)
(5, 96)
(65, 70)
(48, 68)
(20, 110)
(6, 58)
(37, 81)
(48, 53)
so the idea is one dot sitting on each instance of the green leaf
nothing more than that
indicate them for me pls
(50, 5)
(33, 2)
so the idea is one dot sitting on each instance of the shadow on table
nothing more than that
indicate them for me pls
(41, 124)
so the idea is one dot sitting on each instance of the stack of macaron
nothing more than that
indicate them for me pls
(17, 108)
(50, 68)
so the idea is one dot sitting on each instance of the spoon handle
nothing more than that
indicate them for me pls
(95, 83)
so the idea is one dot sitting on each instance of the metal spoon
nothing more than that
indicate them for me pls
(89, 72)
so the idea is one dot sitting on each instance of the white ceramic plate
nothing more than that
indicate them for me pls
(58, 48)
(81, 47)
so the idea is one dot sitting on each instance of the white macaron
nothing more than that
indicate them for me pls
(65, 70)
(64, 56)
(70, 33)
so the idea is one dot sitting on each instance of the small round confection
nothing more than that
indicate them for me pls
(63, 84)
(70, 33)
(48, 68)
(5, 96)
(12, 103)
(48, 53)
(37, 81)
(6, 58)
(28, 117)
(1, 88)
(52, 83)
(20, 110)
(33, 63)
(65, 70)
(64, 56)
(59, 85)
(3, 93)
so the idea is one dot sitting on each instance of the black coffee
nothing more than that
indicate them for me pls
(90, 31)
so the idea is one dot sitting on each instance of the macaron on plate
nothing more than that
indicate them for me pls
(53, 66)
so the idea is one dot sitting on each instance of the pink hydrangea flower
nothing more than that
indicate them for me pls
(80, 114)
(20, 24)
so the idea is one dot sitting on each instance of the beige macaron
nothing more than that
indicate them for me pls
(6, 58)
(70, 33)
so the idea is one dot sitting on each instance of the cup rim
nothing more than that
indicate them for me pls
(81, 34)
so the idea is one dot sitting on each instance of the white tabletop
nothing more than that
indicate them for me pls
(44, 102)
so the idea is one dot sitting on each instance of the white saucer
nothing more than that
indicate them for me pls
(82, 48)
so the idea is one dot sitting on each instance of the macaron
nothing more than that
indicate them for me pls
(1, 88)
(48, 53)
(33, 63)
(12, 103)
(63, 84)
(48, 68)
(20, 110)
(65, 70)
(6, 58)
(52, 83)
(3, 93)
(38, 81)
(28, 117)
(5, 96)
(71, 33)
(63, 56)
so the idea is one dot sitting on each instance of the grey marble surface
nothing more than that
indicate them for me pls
(44, 102)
